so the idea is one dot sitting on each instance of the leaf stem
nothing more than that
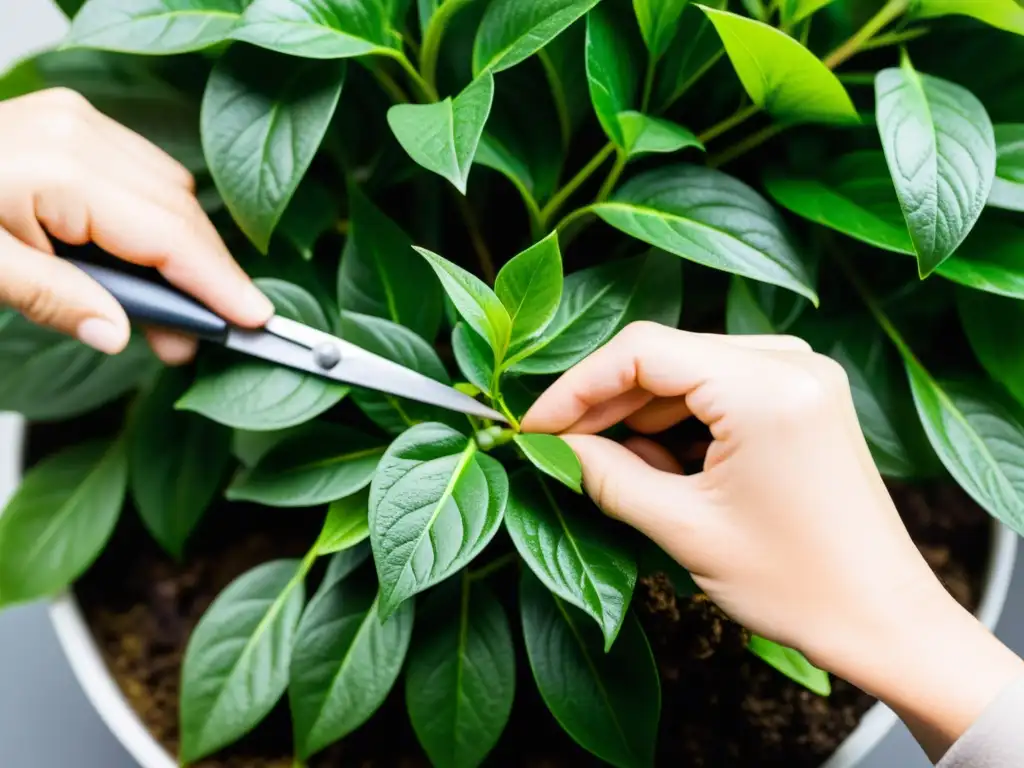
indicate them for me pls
(427, 92)
(432, 39)
(558, 94)
(390, 87)
(494, 566)
(887, 14)
(613, 177)
(747, 144)
(645, 100)
(559, 198)
(737, 117)
(476, 237)
(679, 92)
(572, 216)
(894, 38)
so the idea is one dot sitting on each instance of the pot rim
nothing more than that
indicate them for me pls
(102, 690)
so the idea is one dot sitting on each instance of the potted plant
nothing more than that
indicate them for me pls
(276, 566)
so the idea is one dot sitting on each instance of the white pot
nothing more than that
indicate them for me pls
(103, 692)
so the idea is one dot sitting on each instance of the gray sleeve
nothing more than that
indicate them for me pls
(996, 739)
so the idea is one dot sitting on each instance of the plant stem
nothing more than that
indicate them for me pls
(432, 39)
(572, 216)
(390, 87)
(559, 198)
(558, 94)
(887, 14)
(476, 237)
(494, 566)
(749, 143)
(613, 177)
(427, 92)
(894, 38)
(701, 71)
(645, 100)
(729, 123)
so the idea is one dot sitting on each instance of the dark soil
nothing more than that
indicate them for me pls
(722, 707)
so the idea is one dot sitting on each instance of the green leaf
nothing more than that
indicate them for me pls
(611, 73)
(476, 303)
(311, 212)
(608, 701)
(513, 30)
(346, 661)
(263, 118)
(400, 345)
(493, 154)
(530, 288)
(1008, 185)
(713, 219)
(792, 664)
(249, 447)
(435, 503)
(979, 439)
(154, 26)
(474, 357)
(382, 276)
(990, 322)
(317, 467)
(317, 29)
(795, 11)
(576, 559)
(1007, 15)
(989, 260)
(347, 524)
(758, 308)
(658, 21)
(59, 520)
(695, 48)
(780, 75)
(342, 565)
(236, 662)
(443, 137)
(48, 376)
(177, 461)
(256, 395)
(553, 456)
(642, 134)
(599, 301)
(460, 682)
(940, 147)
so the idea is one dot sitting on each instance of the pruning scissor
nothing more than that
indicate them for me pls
(281, 341)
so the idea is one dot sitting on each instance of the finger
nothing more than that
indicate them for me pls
(51, 292)
(125, 171)
(144, 152)
(605, 414)
(183, 247)
(172, 348)
(658, 456)
(629, 489)
(659, 415)
(778, 342)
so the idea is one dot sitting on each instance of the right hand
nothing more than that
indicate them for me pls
(789, 528)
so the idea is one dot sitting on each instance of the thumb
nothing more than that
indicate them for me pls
(627, 488)
(49, 291)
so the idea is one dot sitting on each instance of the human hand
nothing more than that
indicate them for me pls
(74, 174)
(789, 527)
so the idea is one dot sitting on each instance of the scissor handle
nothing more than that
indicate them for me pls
(159, 305)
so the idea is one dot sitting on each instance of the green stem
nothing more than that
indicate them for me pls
(875, 308)
(512, 420)
(894, 38)
(389, 86)
(645, 100)
(571, 217)
(494, 566)
(887, 14)
(476, 238)
(737, 117)
(749, 143)
(559, 198)
(558, 94)
(679, 92)
(427, 92)
(432, 39)
(613, 177)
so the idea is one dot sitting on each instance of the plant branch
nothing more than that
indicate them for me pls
(735, 119)
(645, 99)
(427, 92)
(559, 198)
(494, 566)
(432, 39)
(390, 87)
(894, 38)
(476, 237)
(613, 177)
(889, 12)
(558, 94)
(572, 217)
(747, 144)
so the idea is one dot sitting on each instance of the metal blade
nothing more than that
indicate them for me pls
(304, 348)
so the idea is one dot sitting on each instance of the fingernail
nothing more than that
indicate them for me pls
(102, 335)
(260, 304)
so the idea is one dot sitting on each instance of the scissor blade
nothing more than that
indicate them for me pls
(358, 367)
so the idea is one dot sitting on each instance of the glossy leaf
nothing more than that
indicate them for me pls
(611, 73)
(263, 118)
(1008, 185)
(759, 308)
(252, 394)
(1007, 15)
(342, 565)
(347, 524)
(474, 357)
(642, 134)
(530, 288)
(497, 156)
(435, 503)
(579, 561)
(48, 376)
(316, 467)
(249, 447)
(658, 21)
(59, 520)
(513, 30)
(345, 663)
(317, 29)
(940, 148)
(177, 462)
(713, 219)
(979, 439)
(795, 11)
(400, 345)
(443, 137)
(608, 701)
(475, 302)
(553, 456)
(460, 681)
(792, 664)
(780, 75)
(989, 322)
(237, 659)
(154, 26)
(381, 275)
(695, 48)
(599, 301)
(989, 260)
(309, 214)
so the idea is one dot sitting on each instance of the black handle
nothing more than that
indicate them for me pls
(153, 304)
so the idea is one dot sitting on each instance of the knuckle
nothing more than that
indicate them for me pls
(795, 343)
(66, 99)
(803, 392)
(832, 373)
(39, 304)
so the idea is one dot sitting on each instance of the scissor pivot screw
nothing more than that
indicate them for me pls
(326, 356)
